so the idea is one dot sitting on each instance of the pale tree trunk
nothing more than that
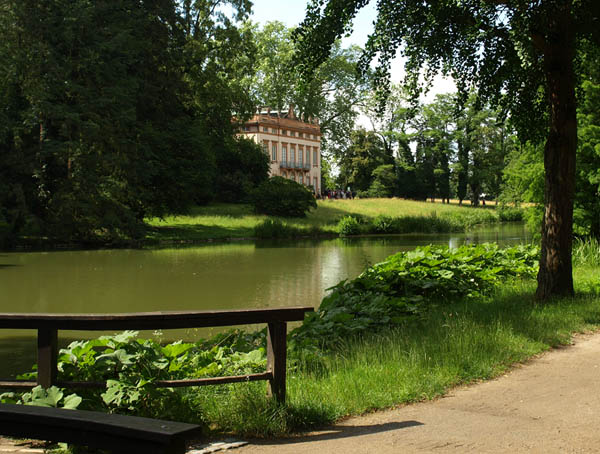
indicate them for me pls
(555, 276)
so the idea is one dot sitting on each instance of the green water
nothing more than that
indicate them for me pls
(215, 276)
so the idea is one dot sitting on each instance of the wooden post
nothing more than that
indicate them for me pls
(276, 359)
(47, 356)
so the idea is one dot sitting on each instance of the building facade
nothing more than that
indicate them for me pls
(293, 145)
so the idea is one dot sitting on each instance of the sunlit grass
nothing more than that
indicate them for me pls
(457, 344)
(221, 221)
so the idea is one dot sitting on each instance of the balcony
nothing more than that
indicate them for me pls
(294, 165)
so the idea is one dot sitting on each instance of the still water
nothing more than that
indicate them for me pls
(214, 276)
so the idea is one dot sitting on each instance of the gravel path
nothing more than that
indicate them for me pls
(549, 405)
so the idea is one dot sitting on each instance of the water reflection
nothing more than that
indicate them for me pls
(215, 276)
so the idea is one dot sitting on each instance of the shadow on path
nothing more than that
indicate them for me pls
(337, 432)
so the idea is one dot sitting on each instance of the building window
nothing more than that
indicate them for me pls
(301, 179)
(315, 160)
(308, 155)
(293, 176)
(284, 153)
(283, 132)
(273, 130)
(265, 147)
(274, 152)
(265, 129)
(292, 154)
(246, 128)
(300, 155)
(284, 174)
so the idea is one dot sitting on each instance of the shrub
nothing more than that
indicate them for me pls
(384, 224)
(349, 225)
(510, 214)
(406, 284)
(274, 228)
(242, 165)
(282, 197)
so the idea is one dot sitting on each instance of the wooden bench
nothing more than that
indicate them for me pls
(48, 325)
(117, 433)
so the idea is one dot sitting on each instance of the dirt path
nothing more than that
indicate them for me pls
(550, 405)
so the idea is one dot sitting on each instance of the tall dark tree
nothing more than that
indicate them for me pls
(519, 54)
(361, 158)
(114, 110)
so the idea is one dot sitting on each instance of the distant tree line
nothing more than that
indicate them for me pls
(443, 150)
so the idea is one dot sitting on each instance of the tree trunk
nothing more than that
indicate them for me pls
(555, 276)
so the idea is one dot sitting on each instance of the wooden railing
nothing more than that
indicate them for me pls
(48, 325)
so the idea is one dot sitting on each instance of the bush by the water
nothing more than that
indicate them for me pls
(279, 196)
(350, 225)
(274, 228)
(433, 223)
(406, 284)
(510, 214)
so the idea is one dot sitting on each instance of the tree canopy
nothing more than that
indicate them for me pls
(520, 55)
(113, 111)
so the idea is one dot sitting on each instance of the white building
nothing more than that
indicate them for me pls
(293, 145)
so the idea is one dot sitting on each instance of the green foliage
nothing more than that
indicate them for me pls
(586, 252)
(242, 167)
(510, 214)
(384, 224)
(283, 197)
(587, 192)
(444, 223)
(51, 397)
(131, 366)
(276, 229)
(524, 175)
(359, 161)
(384, 181)
(406, 285)
(349, 225)
(90, 147)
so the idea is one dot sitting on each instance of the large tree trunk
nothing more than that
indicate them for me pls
(555, 277)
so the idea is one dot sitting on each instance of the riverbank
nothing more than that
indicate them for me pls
(331, 218)
(471, 339)
(237, 221)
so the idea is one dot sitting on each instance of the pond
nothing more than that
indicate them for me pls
(231, 275)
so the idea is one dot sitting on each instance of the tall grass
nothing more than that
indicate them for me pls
(459, 344)
(586, 252)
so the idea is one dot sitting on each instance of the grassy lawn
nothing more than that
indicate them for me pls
(223, 221)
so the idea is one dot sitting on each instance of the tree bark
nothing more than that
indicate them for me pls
(555, 276)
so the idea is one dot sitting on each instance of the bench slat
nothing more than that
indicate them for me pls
(152, 320)
(96, 429)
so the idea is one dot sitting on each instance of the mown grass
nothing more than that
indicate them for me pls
(456, 344)
(230, 221)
